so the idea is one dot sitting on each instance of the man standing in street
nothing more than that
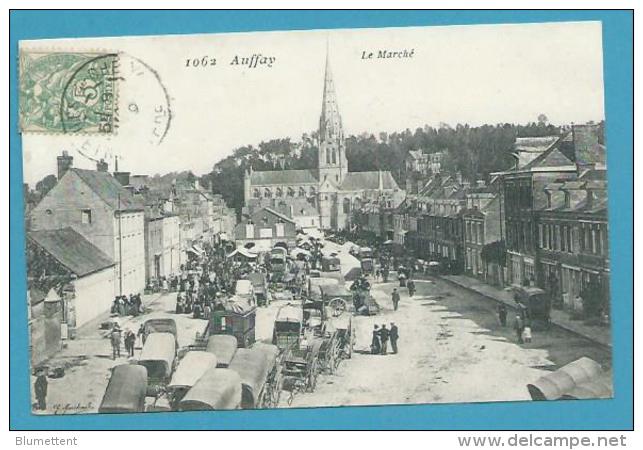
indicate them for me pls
(40, 388)
(115, 339)
(519, 326)
(130, 339)
(502, 315)
(396, 299)
(384, 336)
(394, 335)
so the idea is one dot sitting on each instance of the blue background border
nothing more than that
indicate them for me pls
(618, 71)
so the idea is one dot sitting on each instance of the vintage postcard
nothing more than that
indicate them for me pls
(316, 218)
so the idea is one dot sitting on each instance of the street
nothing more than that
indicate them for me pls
(451, 349)
(447, 335)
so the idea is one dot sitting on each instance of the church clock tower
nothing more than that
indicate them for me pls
(333, 164)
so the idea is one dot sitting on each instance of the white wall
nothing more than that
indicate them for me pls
(132, 251)
(94, 295)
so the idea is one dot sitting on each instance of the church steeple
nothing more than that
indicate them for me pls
(332, 155)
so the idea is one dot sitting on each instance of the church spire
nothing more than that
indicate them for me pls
(330, 122)
(332, 156)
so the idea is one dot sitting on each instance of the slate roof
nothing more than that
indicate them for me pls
(108, 189)
(282, 177)
(358, 181)
(36, 296)
(416, 154)
(530, 150)
(276, 213)
(72, 250)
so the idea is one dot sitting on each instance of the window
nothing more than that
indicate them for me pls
(279, 229)
(86, 216)
(250, 230)
(265, 232)
(581, 237)
(347, 206)
(334, 157)
(594, 240)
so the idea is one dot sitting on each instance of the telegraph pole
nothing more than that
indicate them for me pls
(120, 248)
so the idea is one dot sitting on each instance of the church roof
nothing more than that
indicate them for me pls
(358, 181)
(282, 177)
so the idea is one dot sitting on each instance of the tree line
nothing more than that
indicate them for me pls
(473, 151)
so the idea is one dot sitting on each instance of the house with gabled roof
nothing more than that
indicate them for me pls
(96, 206)
(63, 260)
(524, 189)
(264, 228)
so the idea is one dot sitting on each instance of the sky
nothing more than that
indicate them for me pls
(458, 74)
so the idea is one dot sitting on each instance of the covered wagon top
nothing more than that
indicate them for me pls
(223, 346)
(583, 378)
(216, 389)
(235, 305)
(192, 367)
(289, 313)
(126, 387)
(159, 347)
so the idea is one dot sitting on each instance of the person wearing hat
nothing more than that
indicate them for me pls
(130, 339)
(393, 336)
(115, 339)
(40, 388)
(384, 337)
(375, 343)
(396, 299)
(519, 326)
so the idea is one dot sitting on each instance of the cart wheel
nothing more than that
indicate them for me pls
(338, 307)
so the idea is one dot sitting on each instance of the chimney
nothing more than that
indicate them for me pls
(587, 150)
(65, 162)
(101, 165)
(122, 178)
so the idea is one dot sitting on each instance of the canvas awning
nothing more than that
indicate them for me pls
(244, 252)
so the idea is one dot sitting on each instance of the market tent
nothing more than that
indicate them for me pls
(243, 252)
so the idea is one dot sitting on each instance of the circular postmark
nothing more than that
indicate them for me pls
(117, 94)
(144, 101)
(89, 98)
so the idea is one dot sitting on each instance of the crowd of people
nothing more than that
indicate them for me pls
(127, 306)
(381, 338)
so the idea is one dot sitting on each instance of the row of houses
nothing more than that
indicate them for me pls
(96, 235)
(541, 223)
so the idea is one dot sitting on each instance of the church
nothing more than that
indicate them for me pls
(334, 191)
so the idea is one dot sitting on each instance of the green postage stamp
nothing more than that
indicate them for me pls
(67, 92)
